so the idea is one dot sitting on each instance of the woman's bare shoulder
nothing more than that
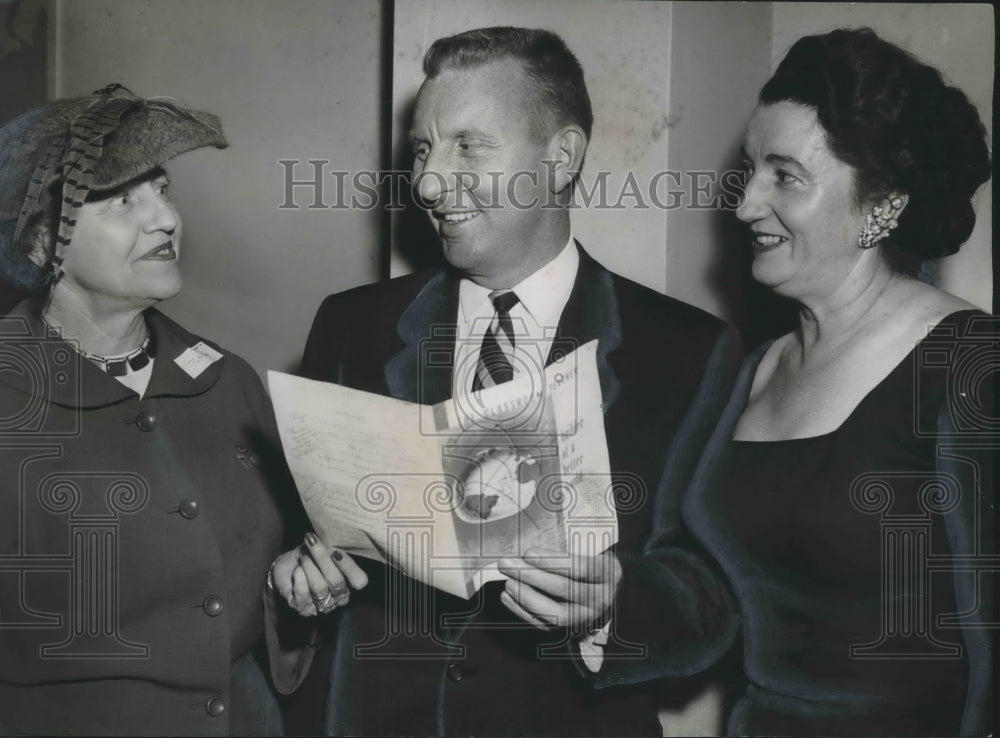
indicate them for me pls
(927, 301)
(926, 306)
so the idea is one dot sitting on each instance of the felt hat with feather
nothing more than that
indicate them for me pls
(53, 156)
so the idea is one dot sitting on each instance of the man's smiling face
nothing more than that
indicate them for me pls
(479, 171)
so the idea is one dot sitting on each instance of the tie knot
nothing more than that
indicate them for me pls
(504, 300)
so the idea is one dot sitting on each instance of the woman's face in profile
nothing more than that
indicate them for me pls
(798, 202)
(125, 245)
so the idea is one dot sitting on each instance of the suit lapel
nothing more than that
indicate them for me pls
(421, 370)
(592, 312)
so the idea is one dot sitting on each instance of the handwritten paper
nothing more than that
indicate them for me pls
(442, 492)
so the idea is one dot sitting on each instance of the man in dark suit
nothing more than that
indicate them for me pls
(500, 129)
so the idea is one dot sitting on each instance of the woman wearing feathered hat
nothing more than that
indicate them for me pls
(140, 484)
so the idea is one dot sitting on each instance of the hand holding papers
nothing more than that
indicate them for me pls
(443, 492)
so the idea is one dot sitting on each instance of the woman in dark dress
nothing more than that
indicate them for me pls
(852, 467)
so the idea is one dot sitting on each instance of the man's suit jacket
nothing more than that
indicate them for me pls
(412, 660)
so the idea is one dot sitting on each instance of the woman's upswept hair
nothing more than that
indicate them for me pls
(900, 126)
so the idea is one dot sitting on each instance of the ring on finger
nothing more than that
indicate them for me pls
(324, 602)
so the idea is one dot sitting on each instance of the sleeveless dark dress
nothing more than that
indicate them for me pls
(839, 548)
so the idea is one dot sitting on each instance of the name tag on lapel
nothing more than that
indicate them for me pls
(197, 359)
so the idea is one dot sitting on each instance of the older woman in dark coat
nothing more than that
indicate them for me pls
(139, 500)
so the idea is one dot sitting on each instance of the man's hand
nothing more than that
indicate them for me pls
(552, 589)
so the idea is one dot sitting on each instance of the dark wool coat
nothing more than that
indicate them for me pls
(135, 537)
(411, 660)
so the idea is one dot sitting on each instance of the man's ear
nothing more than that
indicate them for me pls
(566, 151)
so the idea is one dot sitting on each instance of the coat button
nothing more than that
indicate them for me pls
(188, 509)
(215, 706)
(455, 672)
(212, 606)
(145, 420)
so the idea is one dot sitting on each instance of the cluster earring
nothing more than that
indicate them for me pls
(881, 221)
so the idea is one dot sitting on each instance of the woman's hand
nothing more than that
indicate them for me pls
(315, 580)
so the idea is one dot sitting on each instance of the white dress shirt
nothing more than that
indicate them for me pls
(542, 296)
(541, 299)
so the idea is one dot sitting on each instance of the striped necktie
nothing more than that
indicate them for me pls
(497, 353)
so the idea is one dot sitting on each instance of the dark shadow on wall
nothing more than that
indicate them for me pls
(23, 56)
(23, 72)
(385, 139)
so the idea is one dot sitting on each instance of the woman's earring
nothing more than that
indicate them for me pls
(881, 221)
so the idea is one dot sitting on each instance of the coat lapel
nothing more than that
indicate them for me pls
(421, 370)
(592, 312)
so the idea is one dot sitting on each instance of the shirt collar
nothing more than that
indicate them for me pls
(543, 294)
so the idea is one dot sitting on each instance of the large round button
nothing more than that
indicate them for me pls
(212, 606)
(188, 509)
(145, 421)
(455, 672)
(215, 706)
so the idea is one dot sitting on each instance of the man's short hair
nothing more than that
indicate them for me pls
(559, 95)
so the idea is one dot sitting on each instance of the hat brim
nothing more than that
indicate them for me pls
(150, 135)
